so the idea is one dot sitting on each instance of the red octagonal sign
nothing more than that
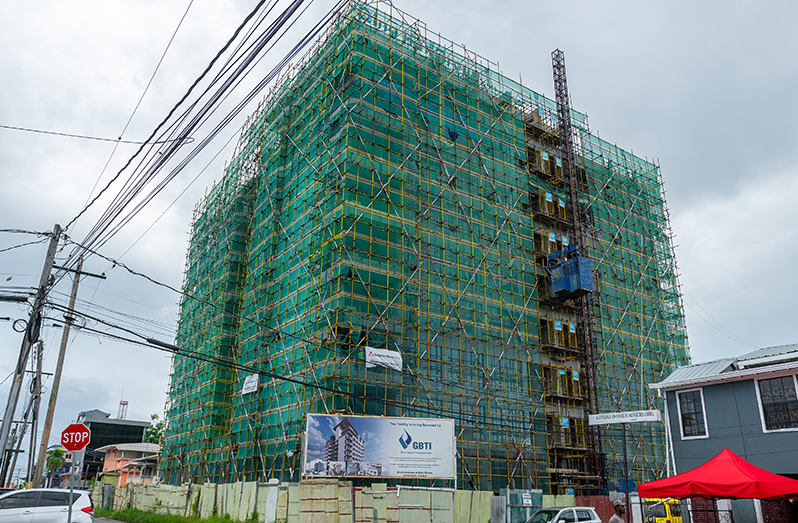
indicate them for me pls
(75, 437)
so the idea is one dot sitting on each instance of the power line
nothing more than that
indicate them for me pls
(23, 231)
(187, 294)
(198, 120)
(138, 104)
(230, 365)
(168, 328)
(718, 326)
(149, 83)
(241, 317)
(173, 349)
(180, 195)
(231, 75)
(82, 136)
(448, 383)
(35, 242)
(172, 111)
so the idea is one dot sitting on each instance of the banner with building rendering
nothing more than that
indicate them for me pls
(338, 445)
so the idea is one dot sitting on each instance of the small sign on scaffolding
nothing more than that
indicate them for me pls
(250, 384)
(388, 359)
(636, 416)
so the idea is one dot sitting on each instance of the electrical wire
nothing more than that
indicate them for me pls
(174, 109)
(157, 67)
(23, 231)
(152, 343)
(188, 295)
(135, 109)
(127, 319)
(23, 245)
(210, 137)
(264, 82)
(108, 225)
(718, 326)
(183, 192)
(82, 136)
(456, 414)
(6, 378)
(295, 337)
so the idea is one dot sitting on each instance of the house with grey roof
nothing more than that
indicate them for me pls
(748, 404)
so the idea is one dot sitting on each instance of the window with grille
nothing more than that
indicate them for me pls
(779, 403)
(691, 411)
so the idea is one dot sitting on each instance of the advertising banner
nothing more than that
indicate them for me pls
(337, 445)
(388, 359)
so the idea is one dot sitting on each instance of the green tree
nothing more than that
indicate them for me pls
(154, 433)
(55, 460)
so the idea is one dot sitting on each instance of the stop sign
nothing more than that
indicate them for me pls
(75, 437)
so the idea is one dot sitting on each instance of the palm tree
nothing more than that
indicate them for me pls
(55, 460)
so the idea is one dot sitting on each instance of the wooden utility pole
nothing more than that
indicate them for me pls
(48, 422)
(18, 434)
(30, 337)
(37, 400)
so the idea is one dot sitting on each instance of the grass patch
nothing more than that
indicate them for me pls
(139, 516)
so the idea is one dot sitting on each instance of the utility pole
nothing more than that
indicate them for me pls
(11, 453)
(68, 319)
(29, 338)
(18, 434)
(37, 400)
(48, 422)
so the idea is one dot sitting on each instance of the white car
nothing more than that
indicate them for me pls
(565, 515)
(45, 506)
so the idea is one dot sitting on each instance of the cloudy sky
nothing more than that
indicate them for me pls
(708, 92)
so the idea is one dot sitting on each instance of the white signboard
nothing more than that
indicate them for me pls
(369, 446)
(250, 384)
(383, 358)
(637, 416)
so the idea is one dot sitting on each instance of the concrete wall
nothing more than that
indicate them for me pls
(330, 501)
(310, 501)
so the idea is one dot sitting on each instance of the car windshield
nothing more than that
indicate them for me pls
(658, 510)
(543, 516)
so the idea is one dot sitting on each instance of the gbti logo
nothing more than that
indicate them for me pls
(405, 440)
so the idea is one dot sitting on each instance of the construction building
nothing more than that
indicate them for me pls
(345, 444)
(396, 191)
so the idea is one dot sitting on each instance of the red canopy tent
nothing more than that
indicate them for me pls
(726, 476)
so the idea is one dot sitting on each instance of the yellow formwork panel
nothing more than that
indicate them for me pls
(294, 505)
(281, 514)
(414, 506)
(442, 506)
(472, 506)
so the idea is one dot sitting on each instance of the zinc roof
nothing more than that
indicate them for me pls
(768, 359)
